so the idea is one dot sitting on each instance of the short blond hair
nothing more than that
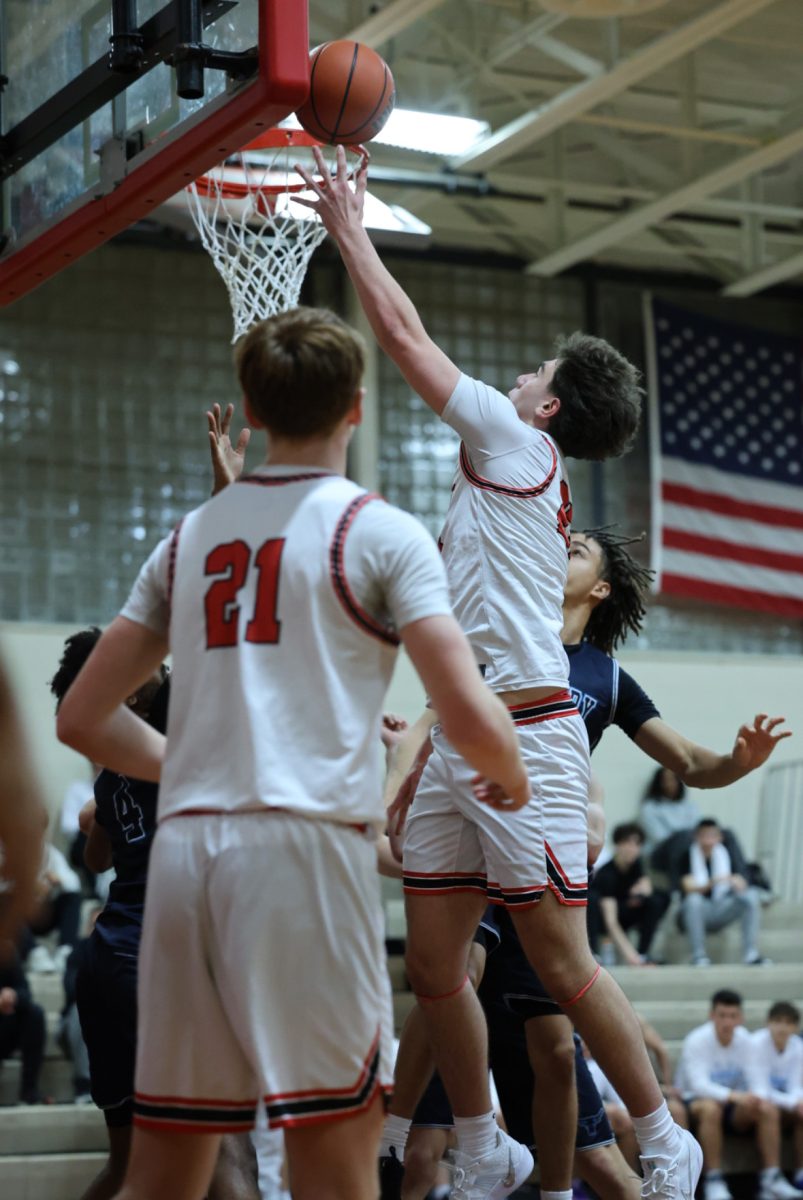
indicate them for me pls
(300, 371)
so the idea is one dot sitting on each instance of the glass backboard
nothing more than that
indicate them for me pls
(86, 148)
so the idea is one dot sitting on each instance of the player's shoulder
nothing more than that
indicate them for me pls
(376, 516)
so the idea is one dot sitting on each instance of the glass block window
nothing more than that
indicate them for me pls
(105, 374)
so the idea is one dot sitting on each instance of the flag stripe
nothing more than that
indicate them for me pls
(676, 539)
(720, 593)
(726, 459)
(711, 479)
(731, 507)
(731, 529)
(734, 574)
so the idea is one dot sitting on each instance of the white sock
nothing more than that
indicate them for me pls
(476, 1136)
(557, 1195)
(395, 1132)
(657, 1134)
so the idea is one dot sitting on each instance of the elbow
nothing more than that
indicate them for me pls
(69, 728)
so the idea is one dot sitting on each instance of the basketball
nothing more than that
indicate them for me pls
(351, 94)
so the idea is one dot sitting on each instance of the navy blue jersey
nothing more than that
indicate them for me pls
(126, 809)
(605, 694)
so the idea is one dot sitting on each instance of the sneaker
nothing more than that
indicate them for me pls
(758, 960)
(40, 961)
(493, 1176)
(391, 1174)
(83, 1099)
(716, 1189)
(702, 960)
(778, 1187)
(673, 1178)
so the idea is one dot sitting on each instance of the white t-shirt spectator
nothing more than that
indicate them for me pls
(707, 1069)
(776, 1075)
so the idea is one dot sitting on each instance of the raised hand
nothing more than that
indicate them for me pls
(755, 743)
(227, 460)
(338, 204)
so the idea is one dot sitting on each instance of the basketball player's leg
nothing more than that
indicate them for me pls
(554, 939)
(422, 1160)
(110, 1178)
(235, 1175)
(604, 1169)
(416, 1087)
(550, 1048)
(439, 932)
(333, 1160)
(444, 886)
(165, 1165)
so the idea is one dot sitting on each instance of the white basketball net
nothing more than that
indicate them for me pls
(261, 242)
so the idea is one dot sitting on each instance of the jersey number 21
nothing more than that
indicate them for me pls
(220, 603)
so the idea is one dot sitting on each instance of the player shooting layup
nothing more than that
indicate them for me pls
(505, 546)
(282, 600)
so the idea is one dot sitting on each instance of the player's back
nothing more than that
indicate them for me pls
(282, 648)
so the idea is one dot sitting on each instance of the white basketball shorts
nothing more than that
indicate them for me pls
(262, 974)
(454, 843)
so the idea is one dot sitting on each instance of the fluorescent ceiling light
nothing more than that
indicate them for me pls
(425, 132)
(431, 133)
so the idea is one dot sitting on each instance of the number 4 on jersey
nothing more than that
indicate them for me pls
(220, 603)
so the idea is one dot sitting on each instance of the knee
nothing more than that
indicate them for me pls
(553, 1060)
(707, 1111)
(693, 901)
(432, 975)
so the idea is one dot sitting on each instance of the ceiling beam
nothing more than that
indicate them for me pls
(766, 277)
(393, 19)
(532, 126)
(562, 52)
(657, 210)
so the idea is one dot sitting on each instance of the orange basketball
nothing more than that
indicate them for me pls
(351, 93)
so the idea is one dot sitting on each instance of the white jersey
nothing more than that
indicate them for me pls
(505, 542)
(281, 598)
(776, 1075)
(709, 1069)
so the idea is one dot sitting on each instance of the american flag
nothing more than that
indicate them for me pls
(726, 405)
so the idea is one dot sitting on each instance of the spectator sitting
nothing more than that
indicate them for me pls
(713, 1078)
(22, 1027)
(666, 809)
(621, 897)
(776, 1071)
(59, 908)
(716, 893)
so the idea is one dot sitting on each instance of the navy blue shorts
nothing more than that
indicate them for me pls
(106, 995)
(515, 1082)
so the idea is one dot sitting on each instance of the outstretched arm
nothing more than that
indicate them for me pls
(703, 768)
(390, 312)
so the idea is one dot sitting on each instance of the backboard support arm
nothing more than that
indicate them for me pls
(98, 85)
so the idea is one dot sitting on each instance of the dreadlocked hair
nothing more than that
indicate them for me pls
(625, 608)
(77, 650)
